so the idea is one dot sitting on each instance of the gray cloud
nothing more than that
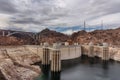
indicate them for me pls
(44, 13)
(6, 6)
(14, 28)
(26, 21)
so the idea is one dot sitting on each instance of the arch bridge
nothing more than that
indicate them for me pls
(33, 36)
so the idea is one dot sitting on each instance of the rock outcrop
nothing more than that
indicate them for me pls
(22, 38)
(51, 36)
(19, 38)
(10, 40)
(16, 63)
(111, 36)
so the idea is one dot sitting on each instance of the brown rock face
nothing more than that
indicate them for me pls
(22, 38)
(16, 64)
(111, 36)
(19, 38)
(10, 40)
(52, 36)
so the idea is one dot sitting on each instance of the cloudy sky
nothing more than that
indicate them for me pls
(62, 15)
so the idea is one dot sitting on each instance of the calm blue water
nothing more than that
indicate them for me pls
(86, 71)
(95, 72)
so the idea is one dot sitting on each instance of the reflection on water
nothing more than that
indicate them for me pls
(45, 69)
(88, 69)
(55, 75)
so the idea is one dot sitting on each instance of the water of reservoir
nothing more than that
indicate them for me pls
(87, 71)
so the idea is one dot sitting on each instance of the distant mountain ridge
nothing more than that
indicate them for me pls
(111, 36)
(51, 36)
(20, 38)
(45, 35)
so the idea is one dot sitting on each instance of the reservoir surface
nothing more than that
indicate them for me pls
(87, 71)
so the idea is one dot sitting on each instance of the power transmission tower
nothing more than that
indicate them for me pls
(102, 25)
(84, 25)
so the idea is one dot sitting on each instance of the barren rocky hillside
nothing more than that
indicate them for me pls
(52, 36)
(20, 38)
(111, 36)
(16, 63)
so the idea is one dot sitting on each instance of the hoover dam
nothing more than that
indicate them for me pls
(24, 62)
